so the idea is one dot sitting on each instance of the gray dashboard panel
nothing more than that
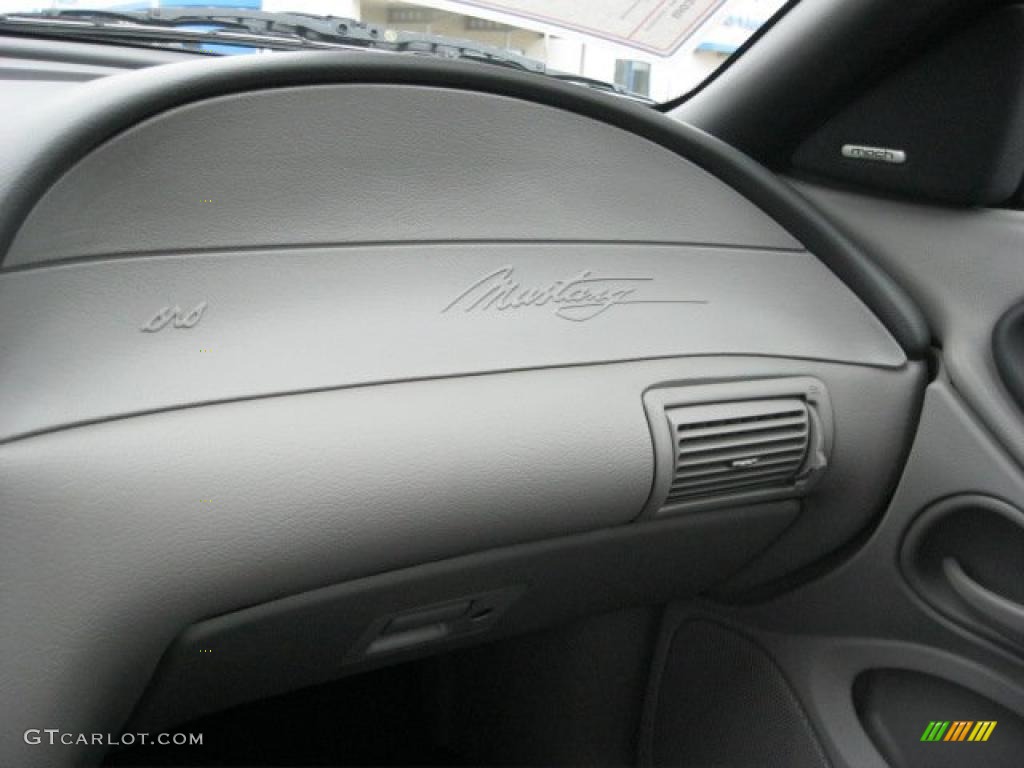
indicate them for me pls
(283, 321)
(42, 148)
(336, 252)
(279, 646)
(117, 535)
(369, 163)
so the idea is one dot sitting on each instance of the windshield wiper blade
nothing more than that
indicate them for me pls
(351, 32)
(102, 26)
(289, 30)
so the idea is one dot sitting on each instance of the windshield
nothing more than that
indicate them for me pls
(650, 49)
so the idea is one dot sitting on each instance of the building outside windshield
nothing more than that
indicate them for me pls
(656, 49)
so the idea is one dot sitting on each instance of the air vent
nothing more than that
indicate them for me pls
(730, 446)
(737, 441)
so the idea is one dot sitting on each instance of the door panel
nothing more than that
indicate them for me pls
(864, 617)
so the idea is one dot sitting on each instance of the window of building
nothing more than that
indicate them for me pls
(634, 76)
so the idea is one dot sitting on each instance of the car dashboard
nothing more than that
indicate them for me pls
(329, 360)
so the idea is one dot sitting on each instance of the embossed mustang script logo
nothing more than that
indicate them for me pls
(578, 298)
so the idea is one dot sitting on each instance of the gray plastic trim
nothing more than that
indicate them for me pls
(658, 400)
(101, 340)
(40, 146)
(963, 268)
(864, 615)
(316, 636)
(358, 163)
(1008, 351)
(118, 535)
(947, 587)
(822, 670)
(1006, 615)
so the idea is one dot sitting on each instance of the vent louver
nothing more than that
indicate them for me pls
(739, 446)
(730, 443)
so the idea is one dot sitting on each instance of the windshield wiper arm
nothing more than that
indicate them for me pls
(600, 85)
